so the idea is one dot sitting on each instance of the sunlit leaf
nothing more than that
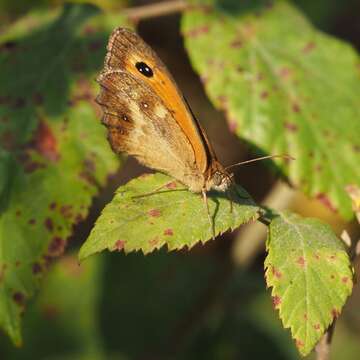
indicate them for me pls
(310, 275)
(172, 216)
(285, 88)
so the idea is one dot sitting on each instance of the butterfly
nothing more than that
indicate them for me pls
(148, 117)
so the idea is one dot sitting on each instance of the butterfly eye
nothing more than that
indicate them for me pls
(144, 69)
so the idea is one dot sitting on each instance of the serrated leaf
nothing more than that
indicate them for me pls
(285, 87)
(174, 216)
(310, 274)
(53, 152)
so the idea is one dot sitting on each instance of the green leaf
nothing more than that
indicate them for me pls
(310, 275)
(53, 151)
(69, 303)
(174, 216)
(285, 87)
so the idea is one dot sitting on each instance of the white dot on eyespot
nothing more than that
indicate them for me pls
(145, 105)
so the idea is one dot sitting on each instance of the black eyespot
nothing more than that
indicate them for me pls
(144, 69)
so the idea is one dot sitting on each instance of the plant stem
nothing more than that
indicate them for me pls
(155, 10)
(323, 347)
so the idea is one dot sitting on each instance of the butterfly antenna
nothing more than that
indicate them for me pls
(287, 157)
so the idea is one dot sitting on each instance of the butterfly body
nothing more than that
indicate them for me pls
(147, 116)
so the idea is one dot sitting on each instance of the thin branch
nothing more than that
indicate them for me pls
(323, 347)
(154, 10)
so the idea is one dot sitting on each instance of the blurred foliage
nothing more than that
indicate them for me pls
(52, 154)
(164, 306)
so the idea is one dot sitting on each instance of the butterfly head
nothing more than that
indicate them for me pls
(220, 180)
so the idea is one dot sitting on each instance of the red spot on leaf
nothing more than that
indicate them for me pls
(198, 31)
(52, 206)
(276, 301)
(171, 185)
(233, 125)
(276, 272)
(317, 326)
(168, 232)
(284, 72)
(299, 343)
(308, 47)
(49, 224)
(154, 241)
(56, 247)
(345, 279)
(301, 261)
(324, 199)
(290, 126)
(119, 245)
(154, 212)
(45, 142)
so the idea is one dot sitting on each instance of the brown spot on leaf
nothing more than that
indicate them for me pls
(19, 298)
(301, 261)
(332, 276)
(49, 224)
(168, 232)
(308, 47)
(154, 212)
(52, 206)
(119, 245)
(317, 326)
(32, 222)
(18, 213)
(8, 46)
(345, 279)
(45, 142)
(264, 95)
(66, 211)
(305, 316)
(36, 268)
(335, 313)
(236, 44)
(296, 108)
(276, 301)
(56, 247)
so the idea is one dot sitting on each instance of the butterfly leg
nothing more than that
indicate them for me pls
(211, 220)
(228, 195)
(157, 190)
